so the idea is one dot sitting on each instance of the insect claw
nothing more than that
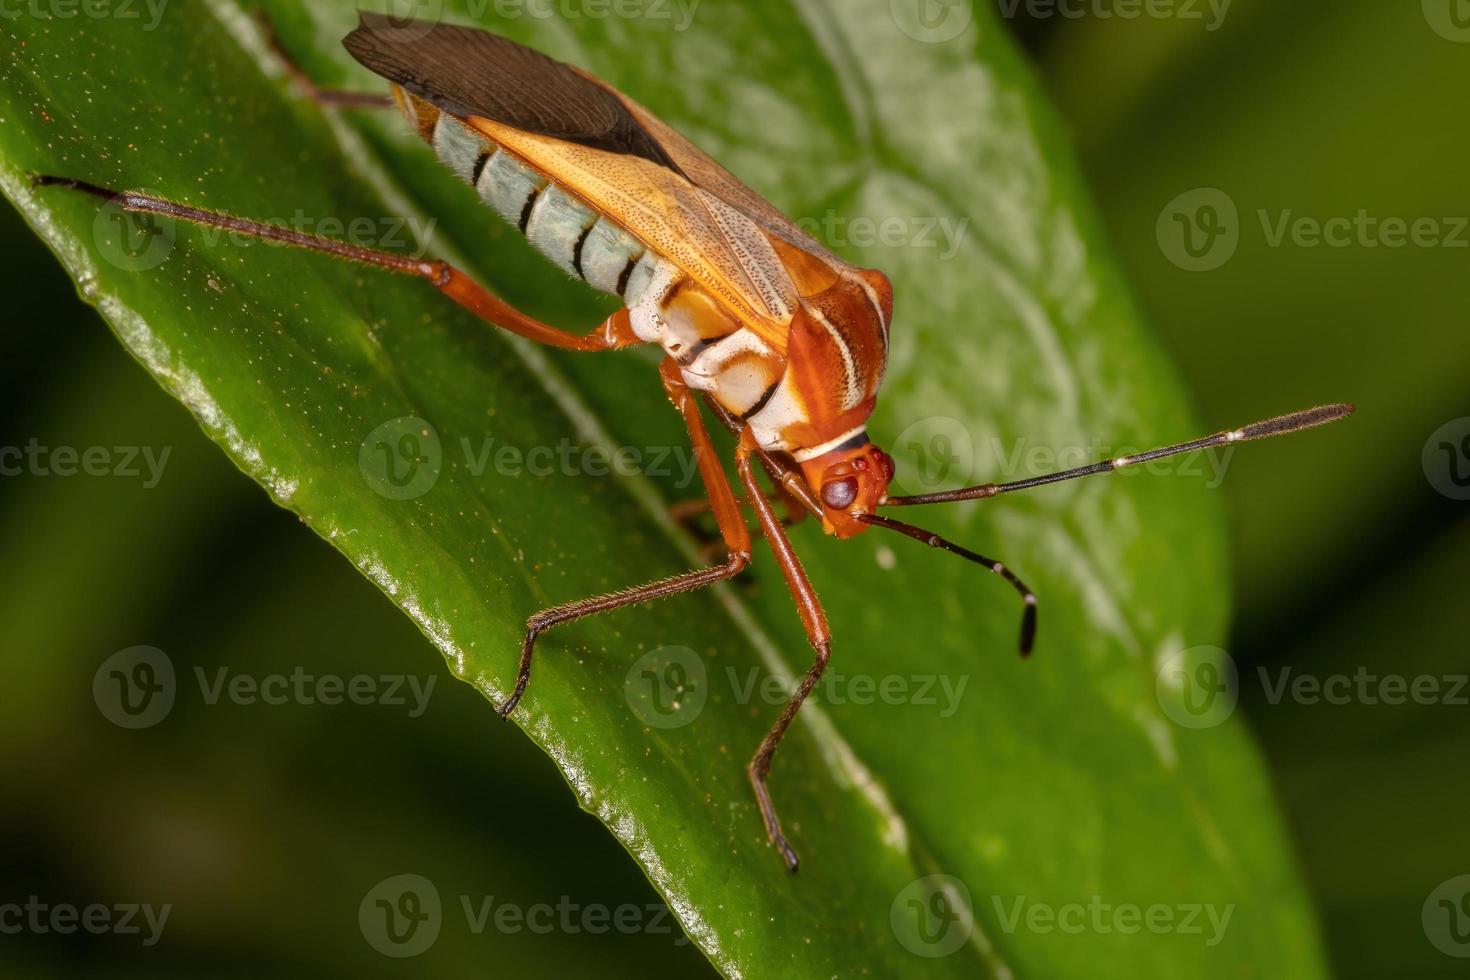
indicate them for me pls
(788, 854)
(71, 183)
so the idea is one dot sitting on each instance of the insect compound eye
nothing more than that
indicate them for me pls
(840, 493)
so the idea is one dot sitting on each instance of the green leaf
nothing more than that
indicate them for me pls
(1058, 785)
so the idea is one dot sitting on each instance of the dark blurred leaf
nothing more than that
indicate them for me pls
(1275, 109)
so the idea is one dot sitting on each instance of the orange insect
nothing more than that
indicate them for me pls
(786, 341)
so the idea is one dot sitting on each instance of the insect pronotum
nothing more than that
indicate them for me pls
(785, 341)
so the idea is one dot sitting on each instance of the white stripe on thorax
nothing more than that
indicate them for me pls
(802, 455)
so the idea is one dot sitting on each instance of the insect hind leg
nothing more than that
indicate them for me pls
(308, 85)
(614, 333)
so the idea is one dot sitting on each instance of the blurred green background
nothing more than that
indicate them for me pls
(1346, 559)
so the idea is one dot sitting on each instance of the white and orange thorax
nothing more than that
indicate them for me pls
(805, 397)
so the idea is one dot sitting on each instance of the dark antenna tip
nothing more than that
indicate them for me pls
(1295, 422)
(1028, 626)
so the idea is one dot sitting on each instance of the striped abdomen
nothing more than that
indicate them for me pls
(585, 244)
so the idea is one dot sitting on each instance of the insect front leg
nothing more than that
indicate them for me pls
(687, 514)
(727, 514)
(815, 622)
(614, 333)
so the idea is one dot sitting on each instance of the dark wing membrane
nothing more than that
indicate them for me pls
(470, 72)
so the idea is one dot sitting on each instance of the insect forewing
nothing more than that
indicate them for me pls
(611, 152)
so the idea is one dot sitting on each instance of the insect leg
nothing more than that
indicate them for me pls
(727, 513)
(322, 96)
(615, 332)
(815, 622)
(686, 513)
(784, 473)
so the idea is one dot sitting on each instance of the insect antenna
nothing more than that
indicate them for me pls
(1028, 617)
(1278, 426)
